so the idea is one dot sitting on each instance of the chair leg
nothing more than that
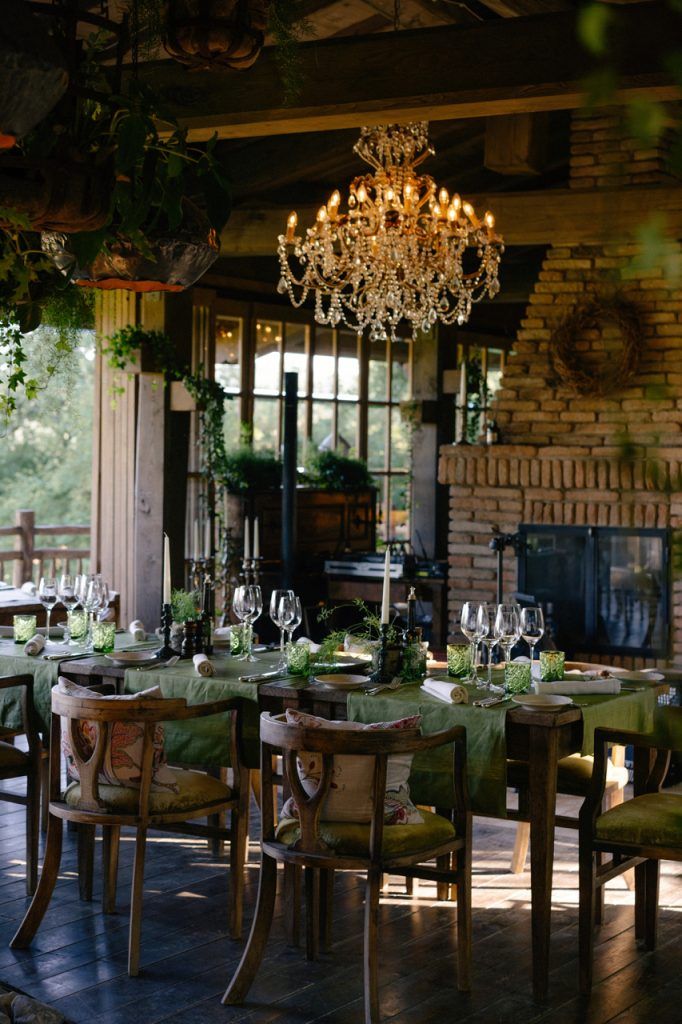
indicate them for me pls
(651, 903)
(326, 908)
(136, 903)
(44, 792)
(464, 918)
(110, 847)
(35, 913)
(32, 830)
(640, 902)
(238, 844)
(371, 950)
(260, 929)
(86, 858)
(520, 851)
(599, 895)
(586, 917)
(443, 888)
(292, 903)
(312, 912)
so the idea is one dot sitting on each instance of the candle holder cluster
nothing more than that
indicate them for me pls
(166, 651)
(250, 572)
(388, 659)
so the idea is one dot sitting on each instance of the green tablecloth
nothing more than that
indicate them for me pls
(431, 778)
(13, 662)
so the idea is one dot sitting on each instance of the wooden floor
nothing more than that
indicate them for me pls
(78, 961)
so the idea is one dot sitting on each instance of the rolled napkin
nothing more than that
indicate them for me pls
(34, 645)
(202, 665)
(29, 587)
(314, 648)
(451, 693)
(137, 630)
(568, 687)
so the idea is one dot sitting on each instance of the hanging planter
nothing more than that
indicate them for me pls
(215, 33)
(33, 76)
(173, 262)
(56, 196)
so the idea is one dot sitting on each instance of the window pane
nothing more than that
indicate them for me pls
(400, 441)
(377, 433)
(494, 375)
(322, 423)
(378, 378)
(268, 339)
(265, 417)
(399, 518)
(347, 428)
(323, 363)
(349, 366)
(381, 484)
(231, 424)
(400, 382)
(228, 369)
(296, 354)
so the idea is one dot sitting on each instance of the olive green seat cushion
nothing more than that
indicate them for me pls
(194, 789)
(10, 757)
(351, 839)
(654, 819)
(573, 775)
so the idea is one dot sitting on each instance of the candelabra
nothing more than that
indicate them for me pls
(166, 651)
(388, 660)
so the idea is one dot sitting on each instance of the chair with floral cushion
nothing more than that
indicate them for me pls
(114, 746)
(638, 833)
(330, 768)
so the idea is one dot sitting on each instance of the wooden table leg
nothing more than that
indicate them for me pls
(543, 760)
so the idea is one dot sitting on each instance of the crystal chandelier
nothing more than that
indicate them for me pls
(402, 251)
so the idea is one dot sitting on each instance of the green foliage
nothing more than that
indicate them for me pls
(367, 631)
(333, 472)
(185, 605)
(287, 24)
(594, 21)
(478, 397)
(244, 470)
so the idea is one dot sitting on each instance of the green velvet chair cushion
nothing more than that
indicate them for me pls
(651, 820)
(351, 839)
(11, 757)
(194, 789)
(573, 776)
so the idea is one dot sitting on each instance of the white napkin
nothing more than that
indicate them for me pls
(451, 693)
(29, 587)
(352, 646)
(202, 665)
(137, 630)
(34, 645)
(222, 632)
(314, 648)
(568, 687)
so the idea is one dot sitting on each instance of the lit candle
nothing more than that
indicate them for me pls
(195, 540)
(256, 539)
(292, 221)
(247, 539)
(166, 570)
(463, 390)
(208, 539)
(386, 596)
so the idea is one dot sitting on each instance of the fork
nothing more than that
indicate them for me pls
(393, 685)
(167, 664)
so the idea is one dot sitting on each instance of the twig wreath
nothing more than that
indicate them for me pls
(618, 367)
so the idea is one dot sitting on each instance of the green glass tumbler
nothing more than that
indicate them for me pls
(24, 628)
(517, 677)
(77, 624)
(459, 660)
(552, 666)
(103, 636)
(414, 663)
(240, 637)
(298, 659)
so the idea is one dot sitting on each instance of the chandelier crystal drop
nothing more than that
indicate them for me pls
(404, 250)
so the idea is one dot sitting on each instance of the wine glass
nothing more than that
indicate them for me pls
(485, 622)
(83, 590)
(532, 629)
(48, 596)
(275, 598)
(69, 598)
(291, 613)
(247, 603)
(472, 629)
(507, 627)
(104, 597)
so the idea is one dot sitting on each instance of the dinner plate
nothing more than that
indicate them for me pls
(340, 664)
(629, 676)
(131, 659)
(342, 681)
(541, 701)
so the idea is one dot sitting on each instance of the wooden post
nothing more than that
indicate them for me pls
(25, 519)
(289, 480)
(148, 505)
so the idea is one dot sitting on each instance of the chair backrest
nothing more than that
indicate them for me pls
(278, 735)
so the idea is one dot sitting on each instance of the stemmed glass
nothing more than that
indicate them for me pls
(84, 593)
(507, 627)
(104, 597)
(473, 631)
(69, 598)
(247, 603)
(532, 629)
(291, 614)
(48, 596)
(485, 622)
(275, 599)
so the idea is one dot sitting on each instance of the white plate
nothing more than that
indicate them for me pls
(339, 665)
(131, 659)
(627, 676)
(543, 701)
(342, 681)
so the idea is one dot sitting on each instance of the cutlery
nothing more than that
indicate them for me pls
(262, 676)
(68, 657)
(393, 685)
(490, 702)
(157, 668)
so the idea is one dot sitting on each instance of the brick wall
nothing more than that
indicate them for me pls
(560, 460)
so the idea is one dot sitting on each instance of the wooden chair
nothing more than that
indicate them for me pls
(638, 833)
(16, 764)
(321, 848)
(89, 802)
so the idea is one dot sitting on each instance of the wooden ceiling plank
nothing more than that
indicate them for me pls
(503, 66)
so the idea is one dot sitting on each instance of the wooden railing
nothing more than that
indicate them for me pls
(29, 559)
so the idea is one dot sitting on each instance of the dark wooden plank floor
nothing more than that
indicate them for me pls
(78, 960)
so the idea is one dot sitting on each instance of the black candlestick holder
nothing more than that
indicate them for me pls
(247, 571)
(166, 651)
(388, 660)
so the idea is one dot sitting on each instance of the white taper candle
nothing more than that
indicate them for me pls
(247, 539)
(166, 570)
(386, 596)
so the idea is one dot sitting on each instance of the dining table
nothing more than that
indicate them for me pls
(539, 737)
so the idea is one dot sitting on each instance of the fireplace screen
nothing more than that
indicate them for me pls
(605, 590)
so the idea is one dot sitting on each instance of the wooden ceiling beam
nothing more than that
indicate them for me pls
(551, 217)
(503, 66)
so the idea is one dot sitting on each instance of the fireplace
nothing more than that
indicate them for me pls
(605, 590)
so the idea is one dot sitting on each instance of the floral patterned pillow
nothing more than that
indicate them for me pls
(350, 793)
(122, 764)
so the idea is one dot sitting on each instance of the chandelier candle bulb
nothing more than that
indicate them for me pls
(443, 197)
(292, 221)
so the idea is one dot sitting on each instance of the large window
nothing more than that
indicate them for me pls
(349, 392)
